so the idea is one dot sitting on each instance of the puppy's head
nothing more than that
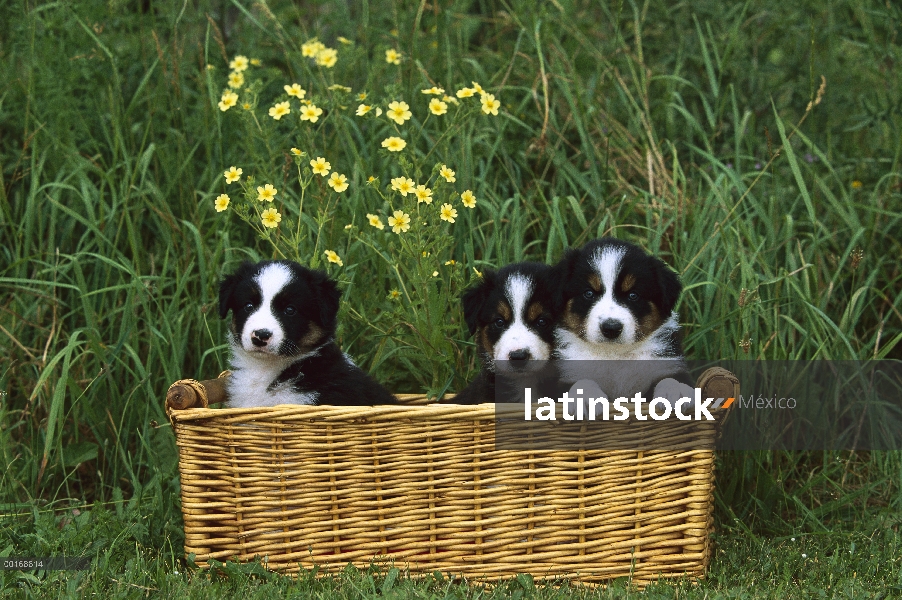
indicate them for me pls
(512, 314)
(279, 308)
(613, 292)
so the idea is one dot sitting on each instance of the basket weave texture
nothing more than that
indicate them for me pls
(425, 487)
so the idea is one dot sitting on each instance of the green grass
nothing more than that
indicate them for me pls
(675, 126)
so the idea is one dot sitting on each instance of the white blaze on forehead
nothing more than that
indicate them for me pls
(271, 280)
(606, 263)
(518, 336)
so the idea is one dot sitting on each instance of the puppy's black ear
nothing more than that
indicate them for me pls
(329, 296)
(669, 284)
(560, 274)
(226, 289)
(475, 298)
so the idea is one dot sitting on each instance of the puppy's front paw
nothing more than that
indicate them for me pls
(586, 389)
(672, 390)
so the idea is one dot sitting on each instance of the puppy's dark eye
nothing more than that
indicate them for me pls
(634, 297)
(542, 322)
(499, 323)
(249, 307)
(588, 294)
(290, 310)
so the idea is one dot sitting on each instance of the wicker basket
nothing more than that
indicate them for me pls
(423, 486)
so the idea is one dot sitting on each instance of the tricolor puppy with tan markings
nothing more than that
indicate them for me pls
(618, 305)
(511, 313)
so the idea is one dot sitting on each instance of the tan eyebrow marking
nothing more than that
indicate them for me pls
(628, 282)
(504, 310)
(535, 309)
(595, 282)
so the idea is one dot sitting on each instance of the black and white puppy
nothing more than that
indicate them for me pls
(512, 314)
(282, 340)
(617, 306)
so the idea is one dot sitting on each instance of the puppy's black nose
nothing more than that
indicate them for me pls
(522, 354)
(611, 329)
(259, 337)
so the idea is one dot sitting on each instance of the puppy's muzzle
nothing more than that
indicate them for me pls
(259, 337)
(611, 329)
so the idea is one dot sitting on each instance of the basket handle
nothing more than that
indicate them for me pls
(717, 382)
(190, 393)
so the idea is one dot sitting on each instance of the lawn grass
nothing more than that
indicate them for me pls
(686, 128)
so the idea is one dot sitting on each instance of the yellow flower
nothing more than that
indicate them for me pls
(320, 166)
(279, 110)
(361, 96)
(266, 193)
(392, 57)
(236, 79)
(448, 213)
(345, 41)
(333, 257)
(448, 174)
(399, 222)
(256, 62)
(297, 152)
(311, 113)
(465, 92)
(399, 112)
(490, 105)
(451, 99)
(375, 221)
(468, 199)
(438, 107)
(406, 186)
(222, 202)
(477, 88)
(435, 91)
(403, 185)
(295, 90)
(338, 182)
(363, 109)
(246, 106)
(239, 63)
(327, 57)
(312, 47)
(451, 262)
(394, 144)
(233, 174)
(394, 295)
(371, 180)
(228, 100)
(435, 273)
(857, 185)
(338, 86)
(271, 218)
(423, 194)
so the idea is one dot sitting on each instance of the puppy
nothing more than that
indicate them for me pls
(512, 314)
(282, 340)
(617, 306)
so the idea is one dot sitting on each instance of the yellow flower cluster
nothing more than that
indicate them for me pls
(400, 221)
(490, 104)
(322, 167)
(321, 55)
(229, 98)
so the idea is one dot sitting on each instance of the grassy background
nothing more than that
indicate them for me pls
(651, 121)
